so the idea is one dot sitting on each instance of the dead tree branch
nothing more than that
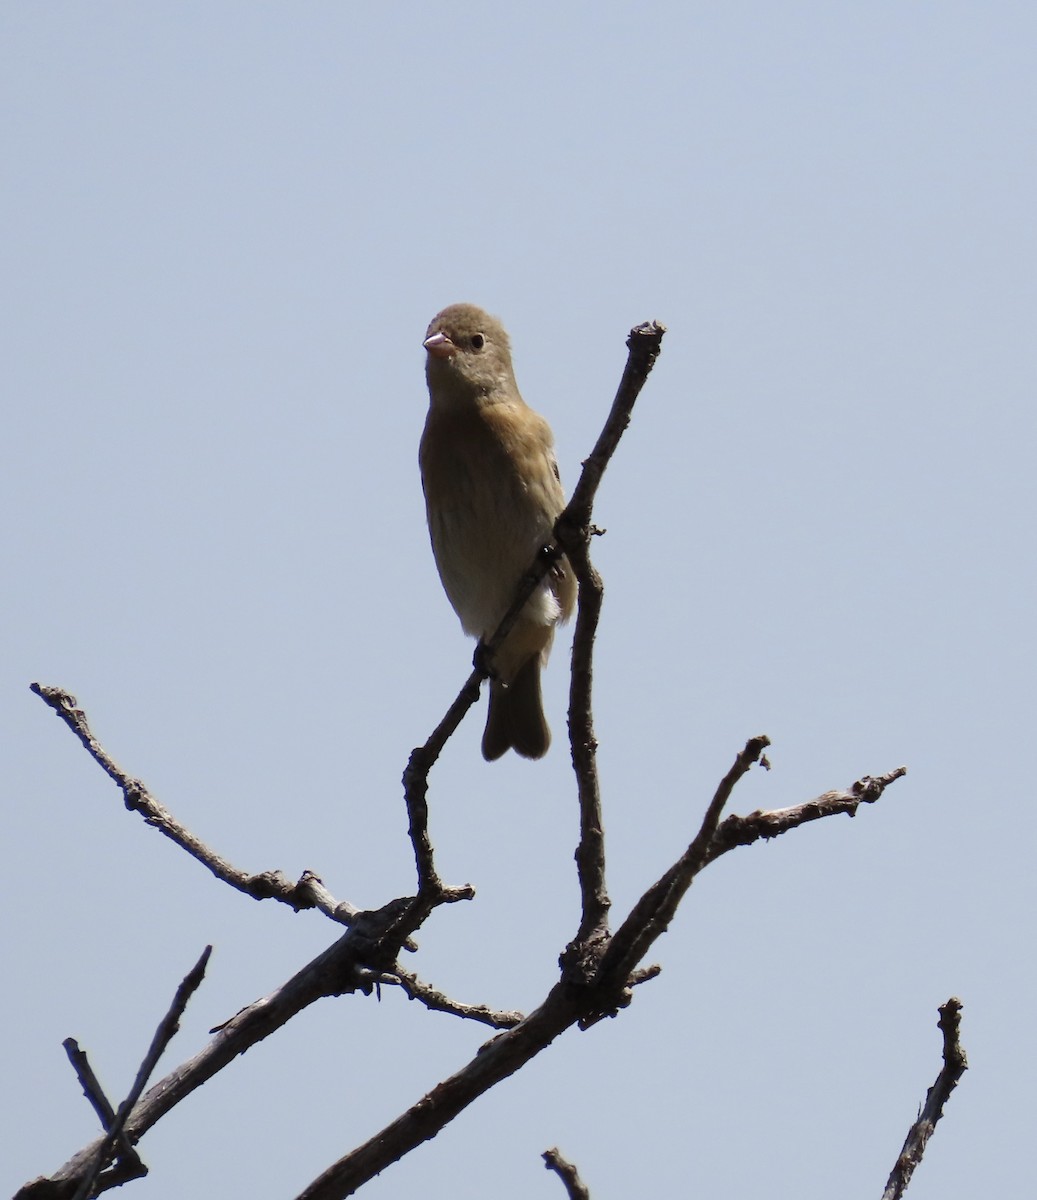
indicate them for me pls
(126, 1156)
(955, 1065)
(571, 1002)
(438, 1002)
(574, 530)
(308, 892)
(652, 914)
(90, 1178)
(164, 1034)
(598, 970)
(575, 1188)
(743, 831)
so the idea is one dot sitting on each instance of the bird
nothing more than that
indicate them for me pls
(492, 496)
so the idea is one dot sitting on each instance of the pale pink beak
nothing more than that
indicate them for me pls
(439, 346)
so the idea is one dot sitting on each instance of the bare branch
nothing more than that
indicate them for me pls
(164, 1034)
(439, 1002)
(653, 913)
(500, 1057)
(954, 1066)
(644, 974)
(573, 531)
(101, 1105)
(569, 1003)
(590, 851)
(575, 1188)
(309, 892)
(644, 344)
(743, 831)
(415, 793)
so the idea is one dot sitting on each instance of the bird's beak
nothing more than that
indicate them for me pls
(439, 346)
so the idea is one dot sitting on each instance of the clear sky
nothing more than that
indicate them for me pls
(226, 227)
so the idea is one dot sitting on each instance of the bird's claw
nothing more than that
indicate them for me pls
(482, 660)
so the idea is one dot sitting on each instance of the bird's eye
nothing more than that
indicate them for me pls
(478, 341)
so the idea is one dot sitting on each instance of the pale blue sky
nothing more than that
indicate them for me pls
(226, 227)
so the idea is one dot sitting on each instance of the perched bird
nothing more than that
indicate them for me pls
(492, 494)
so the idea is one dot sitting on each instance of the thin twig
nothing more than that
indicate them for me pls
(575, 1188)
(308, 892)
(955, 1065)
(652, 914)
(415, 787)
(101, 1105)
(584, 949)
(743, 831)
(573, 531)
(164, 1034)
(425, 994)
(644, 974)
(644, 344)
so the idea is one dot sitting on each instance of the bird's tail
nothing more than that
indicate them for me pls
(516, 717)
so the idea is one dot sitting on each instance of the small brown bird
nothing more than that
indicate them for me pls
(493, 494)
